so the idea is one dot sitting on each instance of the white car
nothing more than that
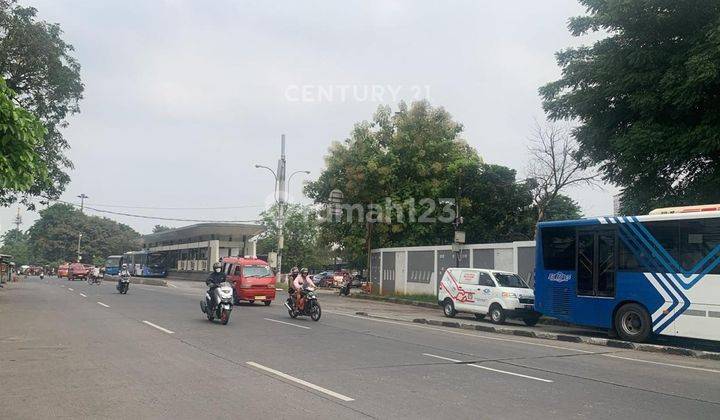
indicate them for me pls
(500, 294)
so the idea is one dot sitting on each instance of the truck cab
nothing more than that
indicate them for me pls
(252, 279)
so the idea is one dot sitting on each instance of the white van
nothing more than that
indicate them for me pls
(478, 291)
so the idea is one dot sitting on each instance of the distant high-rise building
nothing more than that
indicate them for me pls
(18, 220)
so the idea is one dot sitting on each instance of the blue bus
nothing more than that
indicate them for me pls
(635, 275)
(112, 265)
(145, 263)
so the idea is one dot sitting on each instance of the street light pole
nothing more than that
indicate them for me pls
(282, 191)
(79, 258)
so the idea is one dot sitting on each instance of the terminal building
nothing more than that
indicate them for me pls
(194, 248)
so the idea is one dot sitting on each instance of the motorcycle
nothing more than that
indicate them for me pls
(42, 276)
(311, 307)
(355, 281)
(92, 279)
(219, 305)
(123, 285)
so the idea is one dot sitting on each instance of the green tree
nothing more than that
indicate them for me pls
(160, 228)
(21, 136)
(15, 242)
(54, 236)
(302, 247)
(415, 159)
(563, 207)
(37, 64)
(647, 98)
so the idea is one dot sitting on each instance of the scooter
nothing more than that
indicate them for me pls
(311, 307)
(123, 285)
(42, 276)
(219, 304)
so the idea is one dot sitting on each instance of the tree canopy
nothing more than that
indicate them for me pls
(302, 247)
(413, 162)
(21, 136)
(53, 238)
(38, 66)
(16, 243)
(646, 97)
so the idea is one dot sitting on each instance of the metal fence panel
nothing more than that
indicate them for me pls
(420, 266)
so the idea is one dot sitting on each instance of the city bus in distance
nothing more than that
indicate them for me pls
(145, 263)
(636, 275)
(112, 265)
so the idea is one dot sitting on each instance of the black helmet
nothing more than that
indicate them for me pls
(217, 265)
(294, 270)
(304, 271)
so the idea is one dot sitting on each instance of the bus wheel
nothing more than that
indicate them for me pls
(449, 308)
(632, 322)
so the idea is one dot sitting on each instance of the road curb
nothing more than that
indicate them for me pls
(597, 341)
(543, 320)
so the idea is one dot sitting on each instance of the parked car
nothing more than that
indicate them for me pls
(78, 271)
(323, 279)
(63, 270)
(499, 294)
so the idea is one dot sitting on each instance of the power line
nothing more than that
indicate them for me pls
(176, 208)
(171, 219)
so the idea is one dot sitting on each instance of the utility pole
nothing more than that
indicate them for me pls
(281, 206)
(79, 257)
(18, 220)
(281, 193)
(82, 198)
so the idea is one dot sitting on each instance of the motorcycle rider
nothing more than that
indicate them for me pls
(123, 272)
(294, 272)
(216, 277)
(301, 284)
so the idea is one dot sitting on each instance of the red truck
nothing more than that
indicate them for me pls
(251, 278)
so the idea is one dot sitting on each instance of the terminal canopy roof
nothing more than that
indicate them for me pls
(204, 232)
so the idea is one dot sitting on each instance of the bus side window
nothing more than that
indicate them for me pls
(558, 244)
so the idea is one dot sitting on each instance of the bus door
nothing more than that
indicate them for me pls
(596, 258)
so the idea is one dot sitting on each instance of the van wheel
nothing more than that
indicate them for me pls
(479, 317)
(449, 308)
(251, 301)
(267, 302)
(497, 314)
(632, 322)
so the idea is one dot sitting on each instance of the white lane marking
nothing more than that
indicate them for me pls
(158, 327)
(301, 382)
(172, 285)
(70, 289)
(83, 295)
(490, 369)
(286, 323)
(445, 330)
(62, 285)
(405, 324)
(279, 290)
(102, 304)
(662, 364)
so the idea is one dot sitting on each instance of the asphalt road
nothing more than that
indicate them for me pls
(90, 352)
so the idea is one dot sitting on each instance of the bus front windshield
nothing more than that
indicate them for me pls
(112, 262)
(256, 271)
(511, 280)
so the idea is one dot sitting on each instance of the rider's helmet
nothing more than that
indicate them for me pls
(217, 267)
(304, 271)
(124, 266)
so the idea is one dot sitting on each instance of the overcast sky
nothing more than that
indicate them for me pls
(183, 98)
